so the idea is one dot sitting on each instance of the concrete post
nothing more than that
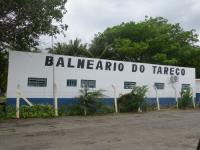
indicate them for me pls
(115, 99)
(157, 100)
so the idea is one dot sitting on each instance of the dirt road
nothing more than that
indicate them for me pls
(165, 130)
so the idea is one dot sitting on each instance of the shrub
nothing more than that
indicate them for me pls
(88, 101)
(185, 100)
(146, 106)
(105, 109)
(2, 110)
(62, 110)
(78, 110)
(36, 111)
(10, 112)
(2, 113)
(130, 102)
(74, 110)
(88, 104)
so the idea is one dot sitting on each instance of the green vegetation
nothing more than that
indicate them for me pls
(133, 101)
(2, 98)
(77, 110)
(72, 110)
(89, 103)
(10, 112)
(22, 22)
(3, 72)
(37, 111)
(73, 48)
(88, 100)
(153, 40)
(2, 113)
(2, 107)
(185, 101)
(105, 109)
(148, 106)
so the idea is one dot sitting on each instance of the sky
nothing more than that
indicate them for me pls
(85, 18)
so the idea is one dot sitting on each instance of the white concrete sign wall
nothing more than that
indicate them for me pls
(23, 65)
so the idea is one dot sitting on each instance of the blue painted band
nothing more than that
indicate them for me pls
(164, 102)
(197, 98)
(50, 101)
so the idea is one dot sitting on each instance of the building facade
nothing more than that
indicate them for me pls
(40, 77)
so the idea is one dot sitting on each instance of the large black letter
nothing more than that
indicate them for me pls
(154, 69)
(159, 71)
(177, 71)
(49, 61)
(69, 63)
(166, 70)
(60, 62)
(120, 67)
(81, 63)
(90, 64)
(114, 66)
(99, 65)
(182, 72)
(142, 68)
(171, 71)
(108, 65)
(134, 67)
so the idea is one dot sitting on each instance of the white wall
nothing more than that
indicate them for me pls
(23, 65)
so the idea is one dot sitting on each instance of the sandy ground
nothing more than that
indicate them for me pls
(165, 130)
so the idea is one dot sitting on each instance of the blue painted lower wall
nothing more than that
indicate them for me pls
(197, 98)
(164, 102)
(61, 101)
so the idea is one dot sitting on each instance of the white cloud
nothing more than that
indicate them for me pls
(87, 17)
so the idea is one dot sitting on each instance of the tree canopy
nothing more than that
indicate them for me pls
(153, 40)
(73, 48)
(23, 21)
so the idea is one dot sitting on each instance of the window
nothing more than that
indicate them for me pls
(71, 82)
(37, 82)
(129, 85)
(185, 86)
(159, 85)
(88, 83)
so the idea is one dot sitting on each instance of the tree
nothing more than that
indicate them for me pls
(23, 21)
(73, 48)
(100, 48)
(3, 72)
(153, 40)
(21, 24)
